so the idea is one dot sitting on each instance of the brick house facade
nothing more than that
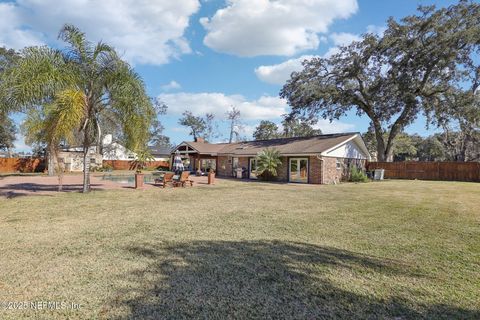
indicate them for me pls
(323, 159)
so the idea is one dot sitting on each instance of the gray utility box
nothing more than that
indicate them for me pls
(239, 172)
(378, 174)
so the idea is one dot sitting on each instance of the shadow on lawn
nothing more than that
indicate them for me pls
(14, 190)
(263, 280)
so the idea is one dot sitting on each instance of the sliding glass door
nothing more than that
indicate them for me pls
(253, 168)
(298, 168)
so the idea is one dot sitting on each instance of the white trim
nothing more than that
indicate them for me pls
(184, 144)
(338, 145)
(361, 145)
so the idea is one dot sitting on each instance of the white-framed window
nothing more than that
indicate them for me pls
(339, 164)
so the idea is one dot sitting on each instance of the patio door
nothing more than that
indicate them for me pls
(298, 170)
(253, 168)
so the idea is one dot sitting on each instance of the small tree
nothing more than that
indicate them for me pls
(266, 130)
(200, 127)
(143, 157)
(293, 128)
(233, 116)
(268, 160)
(7, 132)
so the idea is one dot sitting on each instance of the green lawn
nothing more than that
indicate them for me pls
(394, 250)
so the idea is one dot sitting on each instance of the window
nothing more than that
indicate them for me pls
(92, 160)
(207, 164)
(339, 164)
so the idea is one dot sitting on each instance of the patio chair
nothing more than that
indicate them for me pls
(183, 179)
(167, 177)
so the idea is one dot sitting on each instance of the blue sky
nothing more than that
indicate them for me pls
(205, 56)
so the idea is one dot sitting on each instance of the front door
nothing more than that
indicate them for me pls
(298, 168)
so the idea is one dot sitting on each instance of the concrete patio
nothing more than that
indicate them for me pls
(22, 185)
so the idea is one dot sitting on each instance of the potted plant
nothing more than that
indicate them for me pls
(211, 176)
(143, 157)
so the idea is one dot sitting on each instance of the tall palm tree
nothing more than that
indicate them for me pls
(80, 84)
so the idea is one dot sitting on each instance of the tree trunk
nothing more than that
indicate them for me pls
(380, 142)
(86, 169)
(231, 133)
(60, 169)
(51, 160)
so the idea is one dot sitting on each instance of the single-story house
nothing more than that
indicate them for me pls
(322, 159)
(112, 150)
(72, 158)
(160, 153)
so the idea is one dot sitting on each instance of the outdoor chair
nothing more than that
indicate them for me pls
(183, 179)
(167, 177)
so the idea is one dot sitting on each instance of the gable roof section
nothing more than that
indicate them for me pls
(286, 146)
(203, 147)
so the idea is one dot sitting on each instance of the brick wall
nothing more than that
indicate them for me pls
(330, 172)
(224, 168)
(333, 175)
(282, 170)
(315, 168)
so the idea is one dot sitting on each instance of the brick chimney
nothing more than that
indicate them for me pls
(198, 139)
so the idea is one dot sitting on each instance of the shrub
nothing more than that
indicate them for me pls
(357, 175)
(267, 162)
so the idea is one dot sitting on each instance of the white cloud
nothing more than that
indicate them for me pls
(172, 85)
(280, 73)
(378, 30)
(249, 28)
(11, 33)
(344, 38)
(266, 107)
(146, 31)
(333, 127)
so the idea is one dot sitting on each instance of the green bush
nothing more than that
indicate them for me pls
(268, 160)
(357, 175)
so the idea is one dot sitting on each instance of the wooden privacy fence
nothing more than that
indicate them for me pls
(10, 165)
(132, 165)
(448, 171)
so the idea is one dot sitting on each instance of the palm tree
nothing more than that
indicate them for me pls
(79, 86)
(268, 160)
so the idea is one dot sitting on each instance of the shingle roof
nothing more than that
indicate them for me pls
(160, 150)
(204, 147)
(301, 145)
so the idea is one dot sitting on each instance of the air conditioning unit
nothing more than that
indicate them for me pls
(378, 174)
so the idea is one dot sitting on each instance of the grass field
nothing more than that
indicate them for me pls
(392, 250)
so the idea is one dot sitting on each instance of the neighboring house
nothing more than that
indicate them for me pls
(72, 158)
(322, 159)
(160, 153)
(115, 151)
